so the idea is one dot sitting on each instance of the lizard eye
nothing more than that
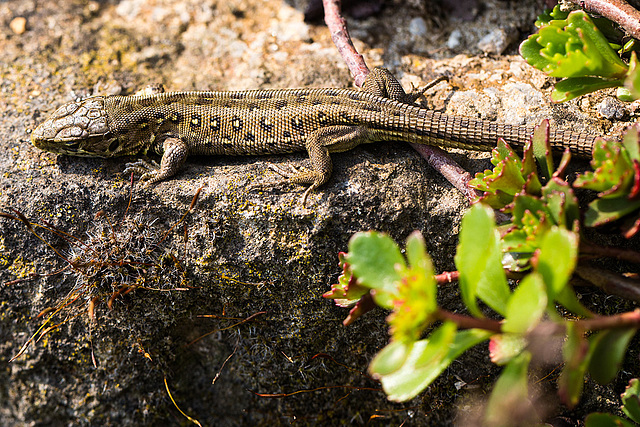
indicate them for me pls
(114, 145)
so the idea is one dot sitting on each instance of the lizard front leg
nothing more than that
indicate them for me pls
(174, 155)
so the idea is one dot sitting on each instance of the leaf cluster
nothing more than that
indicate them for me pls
(584, 52)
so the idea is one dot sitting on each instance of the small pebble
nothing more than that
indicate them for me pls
(454, 39)
(612, 108)
(18, 25)
(418, 27)
(496, 41)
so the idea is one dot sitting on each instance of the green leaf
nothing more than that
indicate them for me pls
(415, 301)
(631, 142)
(347, 292)
(609, 348)
(510, 394)
(572, 48)
(374, 259)
(632, 82)
(542, 149)
(599, 419)
(603, 211)
(504, 347)
(557, 259)
(422, 270)
(439, 342)
(573, 87)
(408, 381)
(576, 356)
(526, 305)
(631, 400)
(391, 358)
(478, 259)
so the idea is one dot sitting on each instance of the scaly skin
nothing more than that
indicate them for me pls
(320, 121)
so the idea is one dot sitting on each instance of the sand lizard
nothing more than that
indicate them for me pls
(320, 121)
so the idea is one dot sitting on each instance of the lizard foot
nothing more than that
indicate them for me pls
(291, 175)
(148, 170)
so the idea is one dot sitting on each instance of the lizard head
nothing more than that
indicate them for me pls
(78, 129)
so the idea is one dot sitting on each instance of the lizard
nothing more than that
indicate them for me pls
(321, 121)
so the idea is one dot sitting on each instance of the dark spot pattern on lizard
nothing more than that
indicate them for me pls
(296, 123)
(322, 117)
(252, 106)
(280, 104)
(266, 124)
(214, 123)
(195, 121)
(236, 123)
(264, 95)
(249, 137)
(286, 134)
(331, 93)
(237, 95)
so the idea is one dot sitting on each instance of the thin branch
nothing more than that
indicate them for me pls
(588, 248)
(610, 282)
(340, 36)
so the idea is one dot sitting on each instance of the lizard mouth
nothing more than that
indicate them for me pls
(102, 145)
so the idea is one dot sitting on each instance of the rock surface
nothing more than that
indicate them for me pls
(238, 255)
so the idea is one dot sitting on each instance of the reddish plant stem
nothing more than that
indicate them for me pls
(609, 252)
(452, 171)
(468, 322)
(611, 283)
(618, 11)
(340, 36)
(447, 277)
(630, 319)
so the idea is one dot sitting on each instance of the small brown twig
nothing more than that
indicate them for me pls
(340, 36)
(618, 11)
(610, 282)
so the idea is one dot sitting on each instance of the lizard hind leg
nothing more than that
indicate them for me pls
(319, 144)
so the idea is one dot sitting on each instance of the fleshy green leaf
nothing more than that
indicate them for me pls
(542, 149)
(603, 211)
(631, 400)
(573, 87)
(347, 291)
(504, 347)
(374, 259)
(408, 381)
(557, 259)
(510, 393)
(416, 293)
(576, 356)
(632, 82)
(599, 419)
(609, 349)
(478, 259)
(526, 305)
(391, 358)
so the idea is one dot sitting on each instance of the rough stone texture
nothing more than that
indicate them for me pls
(238, 254)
